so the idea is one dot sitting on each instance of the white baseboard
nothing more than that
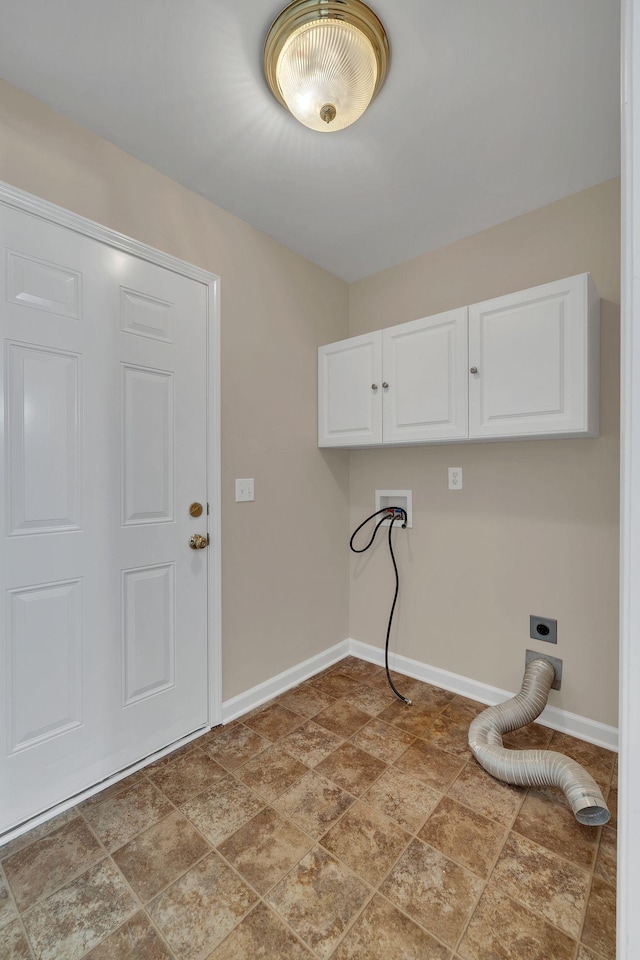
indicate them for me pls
(250, 699)
(582, 727)
(590, 730)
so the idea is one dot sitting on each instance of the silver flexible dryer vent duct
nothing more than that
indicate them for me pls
(534, 768)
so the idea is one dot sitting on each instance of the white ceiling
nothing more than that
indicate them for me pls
(491, 108)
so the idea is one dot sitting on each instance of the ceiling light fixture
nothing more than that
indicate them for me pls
(325, 61)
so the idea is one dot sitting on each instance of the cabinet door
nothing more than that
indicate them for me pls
(536, 356)
(425, 379)
(350, 392)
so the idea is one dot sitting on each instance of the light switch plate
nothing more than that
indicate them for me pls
(244, 490)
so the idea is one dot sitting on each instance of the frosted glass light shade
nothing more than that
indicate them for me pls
(327, 73)
(325, 60)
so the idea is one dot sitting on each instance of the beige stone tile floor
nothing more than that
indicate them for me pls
(333, 822)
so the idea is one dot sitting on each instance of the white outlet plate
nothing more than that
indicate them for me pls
(244, 490)
(455, 478)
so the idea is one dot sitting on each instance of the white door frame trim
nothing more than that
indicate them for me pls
(628, 934)
(28, 203)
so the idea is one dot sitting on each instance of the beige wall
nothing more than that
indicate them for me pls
(535, 527)
(284, 560)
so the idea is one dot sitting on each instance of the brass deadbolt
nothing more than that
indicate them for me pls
(195, 509)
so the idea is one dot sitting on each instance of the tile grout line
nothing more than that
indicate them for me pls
(278, 916)
(587, 898)
(69, 815)
(130, 888)
(485, 884)
(73, 876)
(261, 898)
(420, 925)
(18, 915)
(588, 874)
(377, 887)
(372, 893)
(158, 929)
(107, 856)
(534, 912)
(376, 890)
(141, 905)
(352, 922)
(237, 766)
(212, 849)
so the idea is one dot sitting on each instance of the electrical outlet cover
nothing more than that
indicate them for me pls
(543, 628)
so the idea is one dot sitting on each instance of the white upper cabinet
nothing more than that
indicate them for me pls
(349, 392)
(524, 365)
(536, 353)
(407, 384)
(424, 374)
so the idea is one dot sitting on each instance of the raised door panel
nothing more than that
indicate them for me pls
(147, 445)
(534, 354)
(149, 631)
(43, 440)
(350, 392)
(425, 377)
(146, 316)
(45, 663)
(43, 285)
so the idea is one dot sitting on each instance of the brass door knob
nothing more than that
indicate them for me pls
(198, 542)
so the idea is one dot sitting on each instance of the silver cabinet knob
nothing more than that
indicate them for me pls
(374, 386)
(473, 370)
(385, 385)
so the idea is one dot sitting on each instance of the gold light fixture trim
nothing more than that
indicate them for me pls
(325, 61)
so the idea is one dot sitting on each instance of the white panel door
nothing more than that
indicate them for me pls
(104, 603)
(424, 372)
(350, 392)
(533, 357)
